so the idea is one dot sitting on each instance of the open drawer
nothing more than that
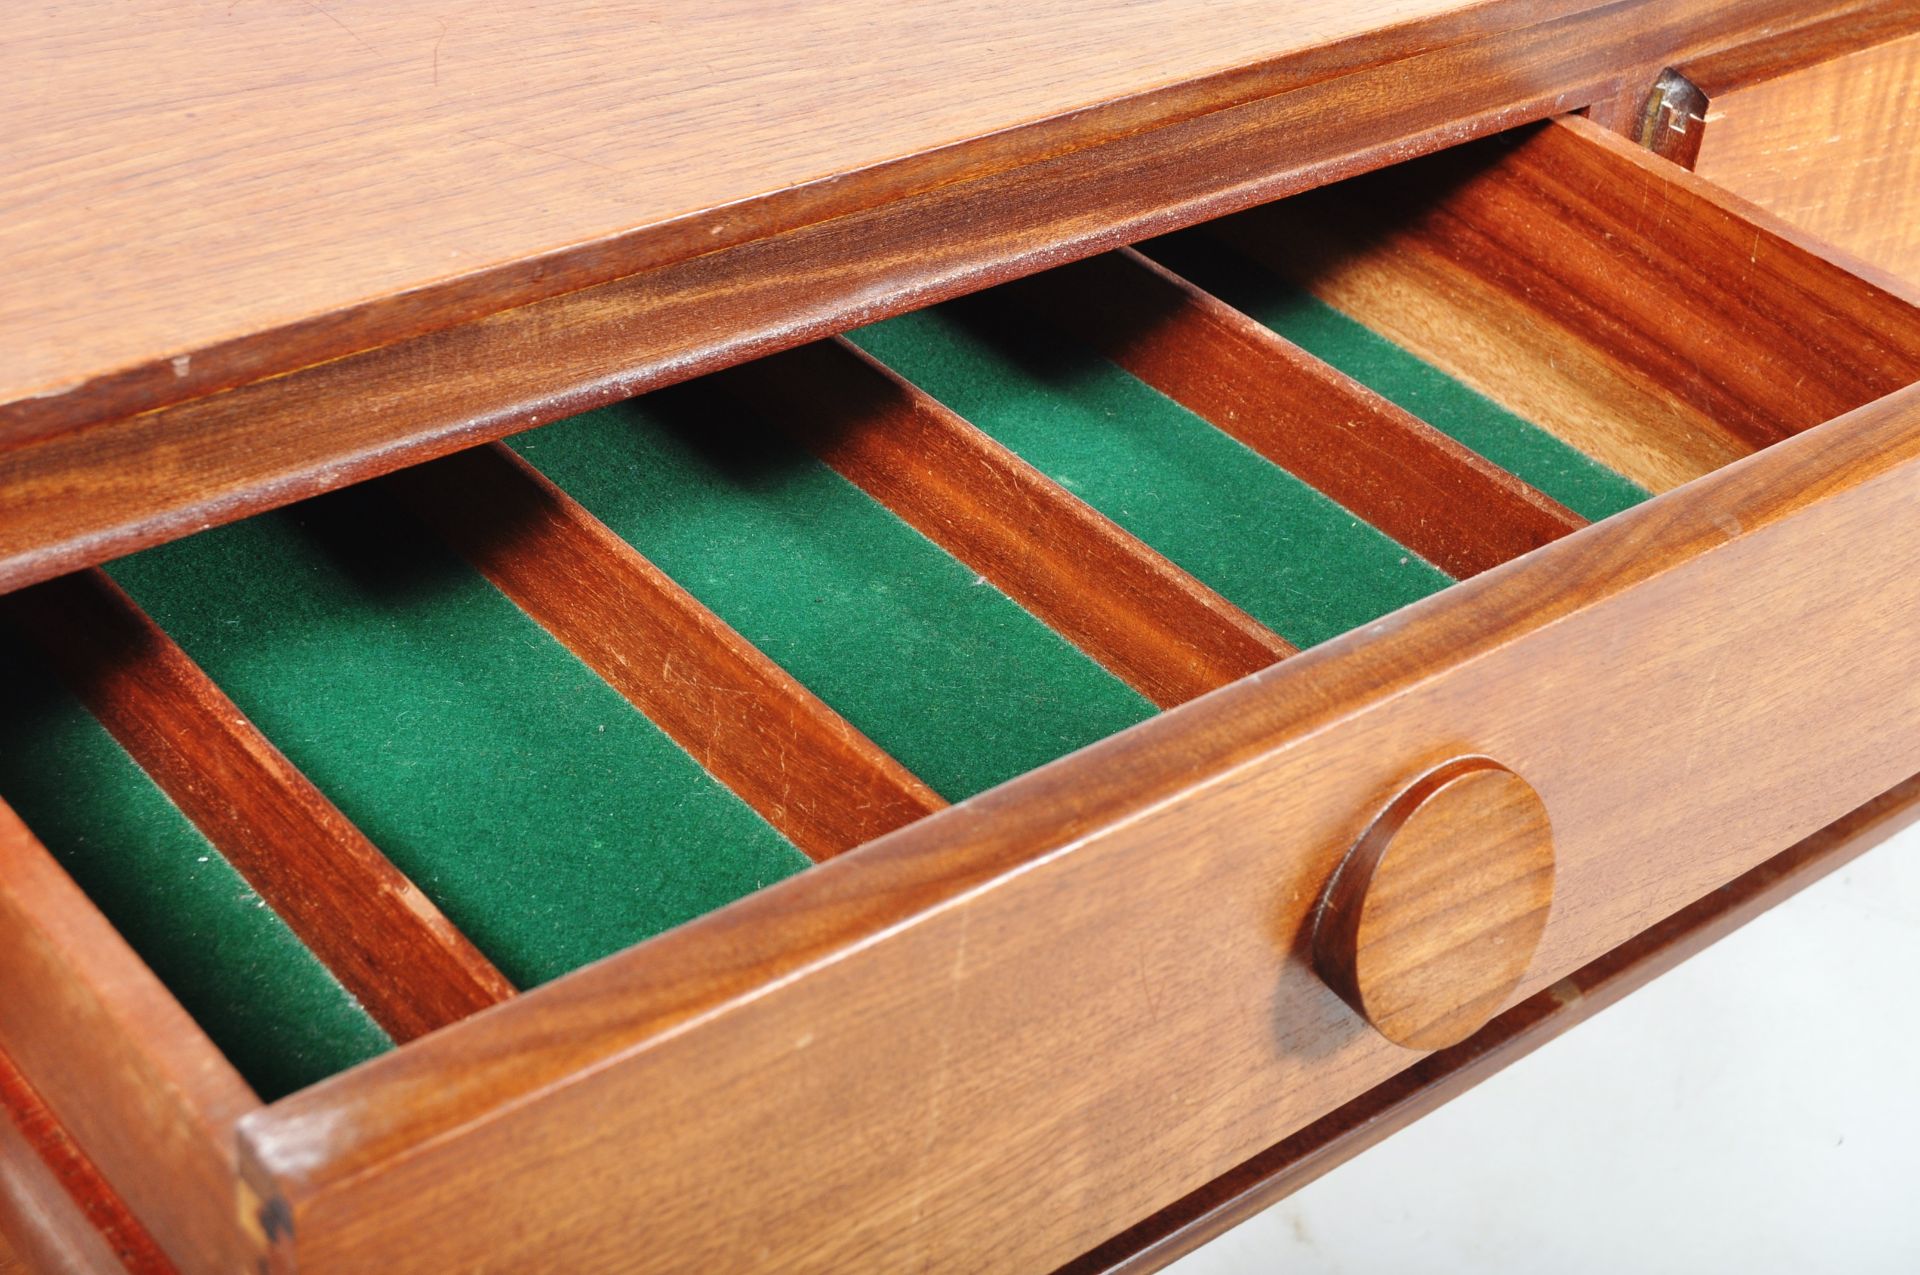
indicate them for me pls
(970, 714)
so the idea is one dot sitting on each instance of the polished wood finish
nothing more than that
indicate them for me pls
(1153, 625)
(1100, 975)
(393, 950)
(445, 159)
(1642, 315)
(1331, 1141)
(1095, 975)
(1834, 149)
(1814, 38)
(1670, 117)
(134, 1083)
(804, 767)
(1439, 499)
(54, 1202)
(1432, 919)
(843, 252)
(414, 168)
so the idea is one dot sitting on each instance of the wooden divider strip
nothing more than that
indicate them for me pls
(1150, 623)
(133, 1080)
(1609, 297)
(806, 769)
(1438, 498)
(1327, 1143)
(386, 942)
(56, 1205)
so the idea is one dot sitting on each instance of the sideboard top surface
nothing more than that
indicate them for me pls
(179, 177)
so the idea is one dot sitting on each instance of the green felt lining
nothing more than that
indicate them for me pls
(936, 666)
(263, 998)
(552, 822)
(1278, 549)
(1570, 476)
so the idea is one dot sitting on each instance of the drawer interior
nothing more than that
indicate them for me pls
(1282, 552)
(560, 694)
(281, 1017)
(950, 677)
(1283, 299)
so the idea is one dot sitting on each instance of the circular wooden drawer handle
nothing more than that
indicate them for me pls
(1432, 919)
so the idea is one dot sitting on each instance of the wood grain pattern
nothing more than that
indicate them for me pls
(1093, 976)
(1431, 920)
(1331, 1141)
(82, 496)
(1810, 40)
(435, 147)
(1638, 313)
(1436, 497)
(132, 1080)
(1153, 625)
(975, 979)
(1834, 149)
(53, 1199)
(1665, 108)
(398, 954)
(805, 768)
(450, 162)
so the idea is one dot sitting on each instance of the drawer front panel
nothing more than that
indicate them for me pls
(54, 1205)
(946, 1048)
(114, 1061)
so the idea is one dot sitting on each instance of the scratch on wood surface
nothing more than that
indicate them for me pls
(323, 12)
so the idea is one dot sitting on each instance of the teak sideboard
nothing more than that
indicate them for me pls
(834, 636)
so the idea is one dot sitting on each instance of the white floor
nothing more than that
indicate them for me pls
(1757, 1110)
